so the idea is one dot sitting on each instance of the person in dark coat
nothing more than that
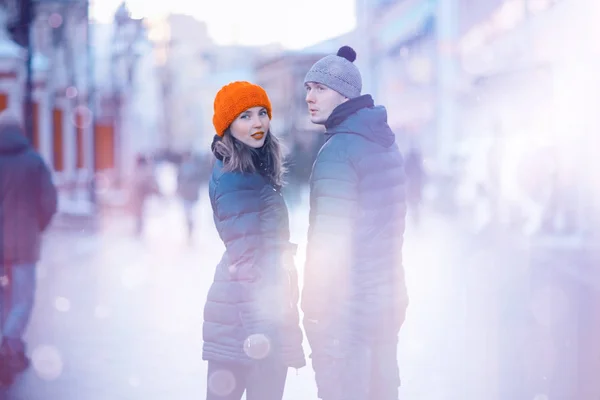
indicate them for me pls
(144, 185)
(251, 329)
(415, 174)
(28, 201)
(354, 296)
(189, 181)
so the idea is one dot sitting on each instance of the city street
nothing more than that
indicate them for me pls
(120, 318)
(491, 103)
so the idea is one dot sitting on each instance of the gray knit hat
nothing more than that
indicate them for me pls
(338, 73)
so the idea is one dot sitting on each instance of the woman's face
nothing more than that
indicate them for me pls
(251, 127)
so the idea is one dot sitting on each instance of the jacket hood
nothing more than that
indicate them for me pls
(12, 139)
(359, 116)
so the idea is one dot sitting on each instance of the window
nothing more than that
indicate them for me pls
(57, 139)
(80, 139)
(3, 101)
(104, 146)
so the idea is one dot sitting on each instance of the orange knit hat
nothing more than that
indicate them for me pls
(235, 98)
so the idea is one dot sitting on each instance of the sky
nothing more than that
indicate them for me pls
(293, 23)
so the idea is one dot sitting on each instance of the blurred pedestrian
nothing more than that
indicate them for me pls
(251, 323)
(354, 297)
(189, 181)
(28, 201)
(144, 186)
(415, 181)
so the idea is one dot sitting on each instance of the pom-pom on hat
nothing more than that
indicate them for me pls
(347, 52)
(338, 72)
(235, 98)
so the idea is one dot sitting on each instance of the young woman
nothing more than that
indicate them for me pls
(251, 325)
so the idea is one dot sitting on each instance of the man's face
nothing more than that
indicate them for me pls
(321, 101)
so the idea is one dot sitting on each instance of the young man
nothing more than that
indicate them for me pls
(28, 201)
(354, 297)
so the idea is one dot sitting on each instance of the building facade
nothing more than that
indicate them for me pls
(60, 110)
(398, 47)
(193, 68)
(282, 76)
(81, 109)
(128, 93)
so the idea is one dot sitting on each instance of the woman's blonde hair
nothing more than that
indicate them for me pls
(238, 156)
